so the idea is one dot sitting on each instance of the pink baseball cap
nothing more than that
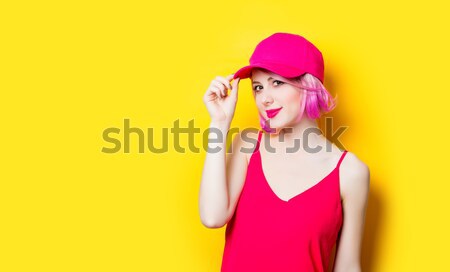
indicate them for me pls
(285, 54)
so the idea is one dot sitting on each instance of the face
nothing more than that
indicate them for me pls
(271, 92)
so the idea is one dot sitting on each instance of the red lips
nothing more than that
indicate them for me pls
(273, 112)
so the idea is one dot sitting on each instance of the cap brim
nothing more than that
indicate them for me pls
(282, 70)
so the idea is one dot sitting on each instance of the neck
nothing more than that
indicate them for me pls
(305, 136)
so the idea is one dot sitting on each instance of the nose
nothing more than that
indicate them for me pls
(267, 99)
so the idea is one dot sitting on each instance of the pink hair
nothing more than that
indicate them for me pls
(318, 100)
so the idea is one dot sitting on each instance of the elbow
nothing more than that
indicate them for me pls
(212, 218)
(212, 224)
(212, 221)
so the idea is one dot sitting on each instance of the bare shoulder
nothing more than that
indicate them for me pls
(354, 177)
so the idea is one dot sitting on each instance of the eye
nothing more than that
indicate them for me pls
(278, 82)
(255, 88)
(281, 82)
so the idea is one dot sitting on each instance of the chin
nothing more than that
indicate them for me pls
(281, 122)
(278, 125)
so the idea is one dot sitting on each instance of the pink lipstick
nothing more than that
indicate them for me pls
(273, 113)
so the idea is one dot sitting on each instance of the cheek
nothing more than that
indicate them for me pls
(258, 102)
(294, 103)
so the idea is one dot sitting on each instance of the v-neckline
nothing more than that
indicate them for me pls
(297, 195)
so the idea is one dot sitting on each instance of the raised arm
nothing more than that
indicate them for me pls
(218, 189)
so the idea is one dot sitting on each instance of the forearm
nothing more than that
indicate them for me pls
(213, 197)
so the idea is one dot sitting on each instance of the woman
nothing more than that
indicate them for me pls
(296, 197)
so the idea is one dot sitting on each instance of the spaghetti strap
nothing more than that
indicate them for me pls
(259, 141)
(342, 157)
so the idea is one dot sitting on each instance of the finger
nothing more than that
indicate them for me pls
(212, 93)
(234, 89)
(216, 90)
(230, 77)
(223, 89)
(224, 81)
(223, 85)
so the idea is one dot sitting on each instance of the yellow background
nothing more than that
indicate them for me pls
(71, 69)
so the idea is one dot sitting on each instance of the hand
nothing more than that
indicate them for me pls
(220, 104)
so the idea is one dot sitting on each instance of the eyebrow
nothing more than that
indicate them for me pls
(253, 82)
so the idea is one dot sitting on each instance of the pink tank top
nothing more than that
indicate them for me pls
(267, 233)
